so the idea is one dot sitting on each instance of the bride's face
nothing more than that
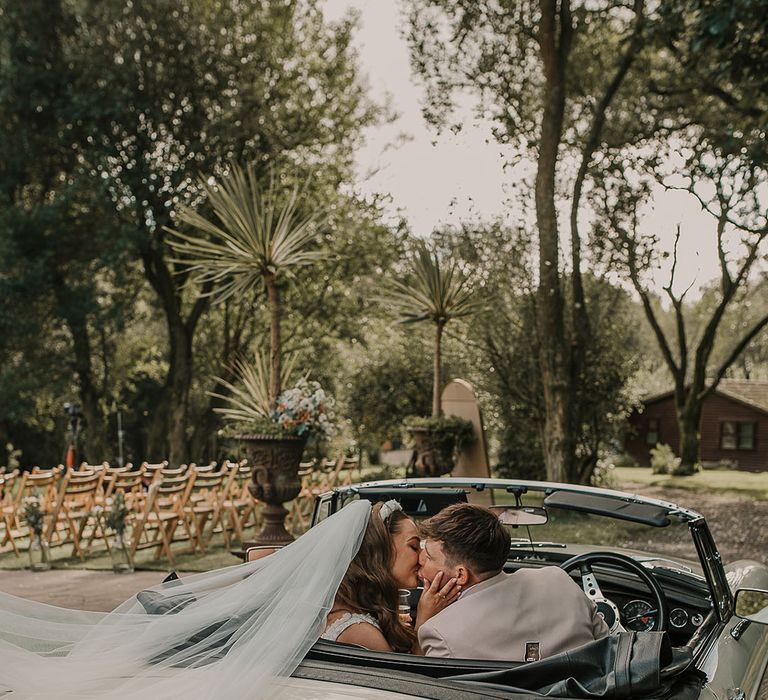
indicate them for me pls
(407, 547)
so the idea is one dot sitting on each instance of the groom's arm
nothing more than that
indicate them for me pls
(432, 643)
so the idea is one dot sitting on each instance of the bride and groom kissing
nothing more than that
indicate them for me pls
(469, 607)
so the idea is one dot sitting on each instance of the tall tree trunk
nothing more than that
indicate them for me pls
(688, 420)
(168, 429)
(437, 371)
(180, 376)
(94, 435)
(275, 348)
(554, 371)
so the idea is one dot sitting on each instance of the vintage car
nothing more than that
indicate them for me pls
(647, 564)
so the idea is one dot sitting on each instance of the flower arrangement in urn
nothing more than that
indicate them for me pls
(255, 238)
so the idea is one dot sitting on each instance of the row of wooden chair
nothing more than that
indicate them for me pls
(316, 478)
(196, 502)
(166, 505)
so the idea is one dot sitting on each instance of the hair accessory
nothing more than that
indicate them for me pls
(388, 508)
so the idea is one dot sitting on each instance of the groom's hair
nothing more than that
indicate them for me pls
(470, 535)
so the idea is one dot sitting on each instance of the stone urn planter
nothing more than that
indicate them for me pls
(275, 480)
(437, 443)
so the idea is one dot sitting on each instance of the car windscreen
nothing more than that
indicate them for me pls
(569, 526)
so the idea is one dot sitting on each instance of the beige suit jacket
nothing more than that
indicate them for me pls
(495, 619)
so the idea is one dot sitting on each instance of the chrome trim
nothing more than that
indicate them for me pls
(672, 622)
(714, 572)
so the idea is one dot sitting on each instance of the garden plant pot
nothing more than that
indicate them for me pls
(39, 554)
(435, 451)
(120, 552)
(275, 481)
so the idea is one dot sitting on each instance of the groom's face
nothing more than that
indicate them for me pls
(433, 560)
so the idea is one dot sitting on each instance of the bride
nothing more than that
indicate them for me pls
(232, 632)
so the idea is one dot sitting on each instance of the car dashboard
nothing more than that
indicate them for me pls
(687, 594)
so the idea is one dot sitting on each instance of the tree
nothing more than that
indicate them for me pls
(735, 205)
(435, 291)
(501, 351)
(58, 257)
(156, 98)
(260, 237)
(550, 74)
(714, 89)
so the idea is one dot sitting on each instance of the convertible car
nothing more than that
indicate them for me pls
(685, 624)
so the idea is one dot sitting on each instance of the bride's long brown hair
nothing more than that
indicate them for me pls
(369, 586)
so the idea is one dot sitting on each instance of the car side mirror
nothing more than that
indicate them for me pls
(521, 516)
(752, 605)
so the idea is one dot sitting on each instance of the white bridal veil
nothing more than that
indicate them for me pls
(226, 633)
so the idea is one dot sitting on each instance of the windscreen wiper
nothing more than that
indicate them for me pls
(521, 544)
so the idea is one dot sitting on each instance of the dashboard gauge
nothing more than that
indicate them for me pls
(697, 619)
(678, 618)
(639, 616)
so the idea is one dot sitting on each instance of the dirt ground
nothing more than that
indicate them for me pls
(738, 525)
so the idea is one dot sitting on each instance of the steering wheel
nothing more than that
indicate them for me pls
(605, 606)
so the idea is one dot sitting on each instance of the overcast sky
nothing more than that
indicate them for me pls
(436, 180)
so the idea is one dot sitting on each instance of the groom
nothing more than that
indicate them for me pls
(524, 616)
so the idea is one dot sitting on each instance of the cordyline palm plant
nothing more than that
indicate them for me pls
(436, 291)
(254, 236)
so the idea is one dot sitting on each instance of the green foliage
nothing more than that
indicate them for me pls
(33, 514)
(387, 381)
(105, 127)
(248, 400)
(435, 290)
(117, 514)
(663, 460)
(450, 427)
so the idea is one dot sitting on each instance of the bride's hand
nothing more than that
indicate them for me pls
(435, 597)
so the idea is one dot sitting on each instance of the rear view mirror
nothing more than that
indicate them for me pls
(752, 605)
(520, 516)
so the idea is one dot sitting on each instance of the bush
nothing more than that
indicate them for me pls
(603, 475)
(663, 460)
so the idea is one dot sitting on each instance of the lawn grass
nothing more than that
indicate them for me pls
(726, 481)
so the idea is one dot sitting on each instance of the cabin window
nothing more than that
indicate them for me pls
(735, 435)
(652, 434)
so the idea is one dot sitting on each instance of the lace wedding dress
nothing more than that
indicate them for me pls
(227, 633)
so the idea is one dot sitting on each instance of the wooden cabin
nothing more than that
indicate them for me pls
(734, 426)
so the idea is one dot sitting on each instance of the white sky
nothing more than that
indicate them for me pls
(444, 179)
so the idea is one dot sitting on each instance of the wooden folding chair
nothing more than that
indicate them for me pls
(85, 467)
(237, 505)
(331, 469)
(350, 465)
(40, 483)
(151, 469)
(163, 511)
(203, 504)
(300, 510)
(111, 473)
(75, 509)
(8, 510)
(202, 468)
(127, 480)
